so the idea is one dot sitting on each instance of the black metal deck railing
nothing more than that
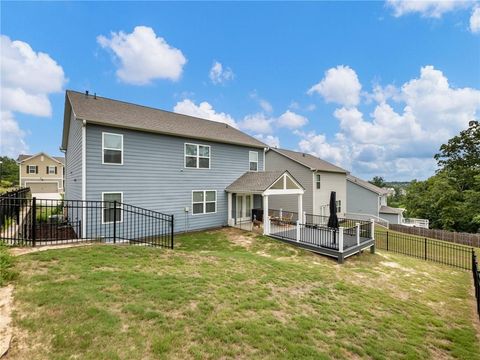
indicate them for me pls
(476, 279)
(34, 222)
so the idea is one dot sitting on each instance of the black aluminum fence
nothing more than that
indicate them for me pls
(34, 222)
(423, 248)
(476, 279)
(11, 203)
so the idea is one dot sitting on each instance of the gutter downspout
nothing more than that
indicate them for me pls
(84, 178)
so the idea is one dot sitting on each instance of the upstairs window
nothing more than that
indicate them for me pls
(51, 170)
(112, 146)
(204, 202)
(32, 169)
(253, 158)
(317, 180)
(197, 156)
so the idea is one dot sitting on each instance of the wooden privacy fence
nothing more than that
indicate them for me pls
(450, 236)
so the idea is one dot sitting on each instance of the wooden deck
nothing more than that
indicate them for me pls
(319, 241)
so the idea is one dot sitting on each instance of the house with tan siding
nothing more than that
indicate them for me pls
(42, 173)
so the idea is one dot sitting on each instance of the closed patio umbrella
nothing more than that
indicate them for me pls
(333, 219)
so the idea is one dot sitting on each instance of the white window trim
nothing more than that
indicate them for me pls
(104, 148)
(338, 206)
(34, 169)
(318, 181)
(51, 167)
(120, 207)
(197, 156)
(204, 202)
(250, 161)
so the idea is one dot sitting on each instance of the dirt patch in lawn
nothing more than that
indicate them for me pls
(29, 250)
(239, 238)
(6, 301)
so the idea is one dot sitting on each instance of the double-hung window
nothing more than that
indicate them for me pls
(109, 207)
(32, 169)
(51, 170)
(204, 202)
(253, 159)
(338, 206)
(112, 147)
(197, 156)
(317, 180)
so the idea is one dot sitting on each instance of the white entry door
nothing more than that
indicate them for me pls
(244, 207)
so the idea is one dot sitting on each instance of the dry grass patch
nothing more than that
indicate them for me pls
(232, 294)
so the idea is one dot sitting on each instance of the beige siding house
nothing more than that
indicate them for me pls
(42, 173)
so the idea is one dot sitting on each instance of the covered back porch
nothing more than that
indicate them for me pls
(251, 192)
(248, 209)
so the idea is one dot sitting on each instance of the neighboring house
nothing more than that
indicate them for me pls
(366, 200)
(42, 173)
(318, 177)
(159, 160)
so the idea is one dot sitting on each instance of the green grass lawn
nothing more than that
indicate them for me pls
(232, 294)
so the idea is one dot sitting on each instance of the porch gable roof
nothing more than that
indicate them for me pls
(261, 182)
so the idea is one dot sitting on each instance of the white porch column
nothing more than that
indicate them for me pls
(372, 229)
(340, 239)
(300, 208)
(229, 210)
(266, 224)
(357, 232)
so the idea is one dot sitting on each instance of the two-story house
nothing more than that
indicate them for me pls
(164, 161)
(42, 173)
(369, 201)
(317, 176)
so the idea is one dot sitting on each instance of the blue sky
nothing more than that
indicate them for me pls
(375, 87)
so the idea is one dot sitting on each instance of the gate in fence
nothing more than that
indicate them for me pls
(31, 222)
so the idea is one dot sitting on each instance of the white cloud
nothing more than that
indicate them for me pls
(398, 144)
(144, 56)
(258, 123)
(291, 120)
(219, 74)
(264, 104)
(475, 20)
(340, 85)
(426, 8)
(317, 145)
(204, 110)
(27, 79)
(12, 138)
(270, 140)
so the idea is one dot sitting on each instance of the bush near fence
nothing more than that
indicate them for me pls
(444, 235)
(426, 249)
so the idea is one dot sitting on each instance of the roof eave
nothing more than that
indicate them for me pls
(101, 123)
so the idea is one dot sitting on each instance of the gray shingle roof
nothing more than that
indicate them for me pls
(310, 161)
(367, 185)
(390, 210)
(121, 114)
(254, 181)
(22, 157)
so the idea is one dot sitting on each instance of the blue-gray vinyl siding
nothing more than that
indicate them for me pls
(73, 161)
(361, 200)
(73, 173)
(153, 175)
(391, 218)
